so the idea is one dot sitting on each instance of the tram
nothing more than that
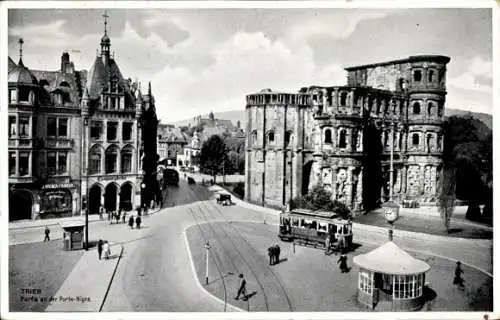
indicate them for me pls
(170, 176)
(307, 227)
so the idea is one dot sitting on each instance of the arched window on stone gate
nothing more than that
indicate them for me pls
(416, 108)
(342, 139)
(328, 136)
(126, 159)
(111, 159)
(415, 139)
(430, 106)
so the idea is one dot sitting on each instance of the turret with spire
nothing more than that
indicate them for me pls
(105, 41)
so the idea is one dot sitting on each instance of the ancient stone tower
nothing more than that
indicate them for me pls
(340, 136)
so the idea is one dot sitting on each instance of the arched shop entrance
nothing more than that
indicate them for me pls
(110, 197)
(20, 205)
(94, 199)
(126, 196)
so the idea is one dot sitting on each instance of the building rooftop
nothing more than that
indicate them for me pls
(418, 58)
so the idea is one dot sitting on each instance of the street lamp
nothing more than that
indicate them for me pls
(207, 247)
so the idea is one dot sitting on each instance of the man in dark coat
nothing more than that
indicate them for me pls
(278, 251)
(99, 248)
(131, 222)
(343, 264)
(270, 252)
(47, 233)
(138, 222)
(458, 275)
(242, 288)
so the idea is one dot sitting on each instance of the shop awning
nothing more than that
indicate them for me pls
(390, 259)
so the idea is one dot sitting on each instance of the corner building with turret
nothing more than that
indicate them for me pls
(340, 136)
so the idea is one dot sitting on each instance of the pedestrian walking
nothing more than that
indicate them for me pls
(327, 244)
(138, 222)
(242, 290)
(107, 250)
(101, 212)
(118, 217)
(131, 222)
(124, 217)
(278, 251)
(99, 248)
(343, 264)
(47, 234)
(340, 244)
(270, 252)
(458, 275)
(109, 215)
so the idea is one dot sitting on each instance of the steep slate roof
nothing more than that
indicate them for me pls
(97, 80)
(390, 259)
(21, 74)
(12, 65)
(69, 84)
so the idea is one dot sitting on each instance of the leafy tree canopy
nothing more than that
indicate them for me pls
(213, 155)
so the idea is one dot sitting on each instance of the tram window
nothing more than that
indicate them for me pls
(302, 223)
(295, 222)
(313, 225)
(322, 227)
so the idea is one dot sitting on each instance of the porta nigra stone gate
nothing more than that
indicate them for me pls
(340, 136)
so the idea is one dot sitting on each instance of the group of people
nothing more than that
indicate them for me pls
(103, 246)
(274, 254)
(137, 220)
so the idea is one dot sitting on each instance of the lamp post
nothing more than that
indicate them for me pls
(207, 247)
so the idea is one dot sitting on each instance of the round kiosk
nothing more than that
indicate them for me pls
(390, 279)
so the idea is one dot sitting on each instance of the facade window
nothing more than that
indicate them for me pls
(24, 125)
(51, 127)
(417, 75)
(365, 282)
(343, 99)
(430, 105)
(63, 127)
(112, 104)
(62, 162)
(96, 130)
(51, 163)
(328, 136)
(408, 286)
(416, 108)
(95, 161)
(111, 130)
(342, 139)
(254, 138)
(127, 131)
(415, 139)
(288, 136)
(126, 160)
(431, 76)
(24, 158)
(114, 86)
(12, 163)
(24, 95)
(270, 137)
(13, 96)
(110, 160)
(12, 126)
(58, 99)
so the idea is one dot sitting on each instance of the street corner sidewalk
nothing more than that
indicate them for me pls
(24, 224)
(87, 285)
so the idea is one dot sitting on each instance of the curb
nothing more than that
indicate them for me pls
(47, 224)
(111, 280)
(193, 269)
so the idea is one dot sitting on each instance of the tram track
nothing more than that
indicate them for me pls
(261, 262)
(262, 267)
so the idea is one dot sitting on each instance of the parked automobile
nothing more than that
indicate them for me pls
(191, 180)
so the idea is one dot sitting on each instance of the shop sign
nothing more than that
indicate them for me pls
(59, 186)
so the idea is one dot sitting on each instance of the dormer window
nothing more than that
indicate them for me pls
(24, 95)
(58, 98)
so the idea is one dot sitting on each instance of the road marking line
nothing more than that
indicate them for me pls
(193, 268)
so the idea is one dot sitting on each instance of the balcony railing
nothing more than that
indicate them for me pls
(21, 143)
(58, 143)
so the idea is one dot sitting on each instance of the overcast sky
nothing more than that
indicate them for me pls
(208, 59)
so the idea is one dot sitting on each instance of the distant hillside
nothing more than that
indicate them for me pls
(487, 119)
(236, 115)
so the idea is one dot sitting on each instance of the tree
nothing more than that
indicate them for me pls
(212, 156)
(447, 197)
(320, 199)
